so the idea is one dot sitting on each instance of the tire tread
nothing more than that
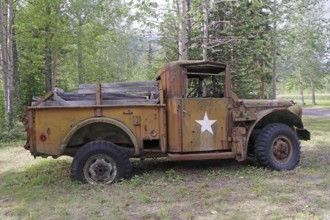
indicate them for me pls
(105, 147)
(262, 151)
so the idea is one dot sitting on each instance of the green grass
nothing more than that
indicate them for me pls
(319, 104)
(223, 189)
(322, 100)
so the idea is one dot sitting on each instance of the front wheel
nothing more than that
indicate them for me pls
(277, 147)
(100, 162)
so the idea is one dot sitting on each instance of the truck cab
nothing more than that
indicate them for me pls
(197, 103)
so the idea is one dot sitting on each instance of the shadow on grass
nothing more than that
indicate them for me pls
(51, 173)
(56, 173)
(185, 167)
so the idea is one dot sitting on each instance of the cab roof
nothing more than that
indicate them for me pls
(196, 66)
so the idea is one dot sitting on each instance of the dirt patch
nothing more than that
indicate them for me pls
(317, 112)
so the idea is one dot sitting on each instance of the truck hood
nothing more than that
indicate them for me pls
(260, 103)
(270, 104)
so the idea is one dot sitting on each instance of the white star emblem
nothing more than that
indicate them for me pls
(206, 124)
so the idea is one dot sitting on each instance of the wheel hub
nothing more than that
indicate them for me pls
(282, 149)
(100, 169)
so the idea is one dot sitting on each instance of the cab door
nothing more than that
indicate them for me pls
(204, 124)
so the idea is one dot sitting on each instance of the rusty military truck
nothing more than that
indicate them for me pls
(189, 112)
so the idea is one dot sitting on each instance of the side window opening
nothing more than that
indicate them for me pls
(205, 86)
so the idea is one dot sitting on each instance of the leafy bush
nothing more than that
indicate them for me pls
(17, 133)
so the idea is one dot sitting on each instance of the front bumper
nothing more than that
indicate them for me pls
(303, 134)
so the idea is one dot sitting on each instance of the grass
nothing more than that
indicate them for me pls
(223, 189)
(321, 99)
(319, 104)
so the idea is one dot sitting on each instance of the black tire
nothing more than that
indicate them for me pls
(100, 162)
(277, 147)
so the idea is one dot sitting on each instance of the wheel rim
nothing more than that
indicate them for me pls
(100, 169)
(282, 149)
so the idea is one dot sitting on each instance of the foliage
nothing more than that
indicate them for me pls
(239, 34)
(12, 135)
(248, 48)
(67, 42)
(31, 40)
(305, 48)
(90, 42)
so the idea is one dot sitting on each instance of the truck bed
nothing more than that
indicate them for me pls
(118, 93)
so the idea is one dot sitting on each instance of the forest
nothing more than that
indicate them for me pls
(276, 48)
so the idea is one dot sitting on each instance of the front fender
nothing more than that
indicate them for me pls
(268, 116)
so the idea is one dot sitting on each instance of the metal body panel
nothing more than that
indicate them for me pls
(96, 120)
(174, 125)
(204, 124)
(173, 78)
(52, 125)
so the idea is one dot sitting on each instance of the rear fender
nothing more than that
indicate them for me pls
(90, 121)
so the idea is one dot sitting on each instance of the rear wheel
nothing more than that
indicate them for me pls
(100, 162)
(277, 147)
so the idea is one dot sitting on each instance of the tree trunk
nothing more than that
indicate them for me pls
(205, 29)
(274, 49)
(232, 44)
(48, 62)
(301, 91)
(6, 38)
(149, 54)
(189, 25)
(262, 87)
(48, 56)
(4, 49)
(16, 78)
(10, 64)
(182, 12)
(80, 53)
(218, 27)
(55, 53)
(313, 91)
(261, 80)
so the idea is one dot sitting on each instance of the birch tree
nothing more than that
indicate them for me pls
(305, 47)
(181, 7)
(7, 66)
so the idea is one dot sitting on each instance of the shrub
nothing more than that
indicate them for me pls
(17, 133)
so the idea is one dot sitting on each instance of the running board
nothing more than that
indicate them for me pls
(202, 156)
